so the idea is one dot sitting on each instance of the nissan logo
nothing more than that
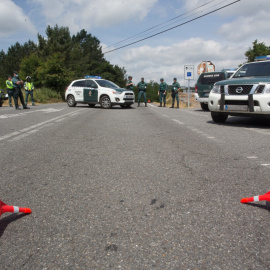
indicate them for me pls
(239, 90)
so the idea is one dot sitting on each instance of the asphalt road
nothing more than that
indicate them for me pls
(140, 188)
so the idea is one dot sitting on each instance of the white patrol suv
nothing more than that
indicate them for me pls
(94, 90)
(246, 93)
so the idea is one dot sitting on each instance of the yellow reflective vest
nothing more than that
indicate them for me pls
(28, 86)
(9, 84)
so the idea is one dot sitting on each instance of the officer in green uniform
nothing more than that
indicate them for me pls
(17, 85)
(29, 88)
(142, 91)
(129, 84)
(162, 92)
(10, 90)
(175, 89)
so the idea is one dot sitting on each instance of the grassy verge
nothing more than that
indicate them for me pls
(41, 96)
(183, 101)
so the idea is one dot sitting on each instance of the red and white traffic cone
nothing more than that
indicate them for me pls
(13, 209)
(264, 197)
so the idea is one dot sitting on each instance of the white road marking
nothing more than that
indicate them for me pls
(179, 122)
(34, 128)
(49, 110)
(252, 157)
(197, 114)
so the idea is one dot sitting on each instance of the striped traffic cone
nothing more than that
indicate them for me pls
(13, 209)
(264, 197)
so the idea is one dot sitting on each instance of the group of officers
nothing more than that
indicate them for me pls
(162, 90)
(14, 89)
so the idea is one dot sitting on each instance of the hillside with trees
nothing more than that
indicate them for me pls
(59, 58)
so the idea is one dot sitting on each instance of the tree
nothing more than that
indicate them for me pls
(58, 59)
(29, 67)
(53, 73)
(258, 49)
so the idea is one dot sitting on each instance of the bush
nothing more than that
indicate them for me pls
(45, 95)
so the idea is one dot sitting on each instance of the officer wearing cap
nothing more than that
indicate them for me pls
(29, 88)
(10, 90)
(142, 91)
(162, 92)
(175, 89)
(129, 84)
(17, 84)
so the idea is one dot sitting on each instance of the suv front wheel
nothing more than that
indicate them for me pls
(204, 106)
(105, 102)
(219, 117)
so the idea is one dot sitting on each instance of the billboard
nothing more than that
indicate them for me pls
(206, 66)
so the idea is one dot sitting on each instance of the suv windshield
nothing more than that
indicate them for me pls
(107, 84)
(254, 70)
(211, 78)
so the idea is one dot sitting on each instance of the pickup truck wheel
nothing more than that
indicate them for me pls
(204, 106)
(71, 101)
(105, 102)
(219, 117)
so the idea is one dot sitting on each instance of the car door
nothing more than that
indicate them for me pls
(78, 88)
(90, 91)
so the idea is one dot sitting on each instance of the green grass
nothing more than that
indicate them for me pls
(42, 95)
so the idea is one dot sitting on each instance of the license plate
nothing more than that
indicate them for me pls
(236, 107)
(206, 95)
(129, 97)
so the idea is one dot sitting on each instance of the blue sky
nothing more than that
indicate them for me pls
(222, 37)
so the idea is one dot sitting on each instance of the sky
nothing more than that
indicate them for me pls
(221, 37)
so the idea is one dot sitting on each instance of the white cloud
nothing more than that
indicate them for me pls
(87, 14)
(13, 20)
(245, 20)
(168, 61)
(247, 27)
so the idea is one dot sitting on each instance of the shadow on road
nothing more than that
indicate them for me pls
(246, 122)
(266, 207)
(99, 107)
(4, 222)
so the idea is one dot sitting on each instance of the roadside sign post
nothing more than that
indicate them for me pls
(188, 75)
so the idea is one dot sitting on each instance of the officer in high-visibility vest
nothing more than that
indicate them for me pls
(10, 90)
(29, 88)
(162, 92)
(142, 91)
(175, 92)
(17, 85)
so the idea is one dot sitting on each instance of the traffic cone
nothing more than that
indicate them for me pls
(149, 100)
(13, 209)
(264, 197)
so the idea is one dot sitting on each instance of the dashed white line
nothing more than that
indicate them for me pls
(179, 122)
(32, 129)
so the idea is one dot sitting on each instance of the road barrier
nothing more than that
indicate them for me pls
(4, 208)
(264, 197)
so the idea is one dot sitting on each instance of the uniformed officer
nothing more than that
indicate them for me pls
(129, 84)
(162, 92)
(10, 90)
(17, 85)
(29, 88)
(142, 91)
(175, 91)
